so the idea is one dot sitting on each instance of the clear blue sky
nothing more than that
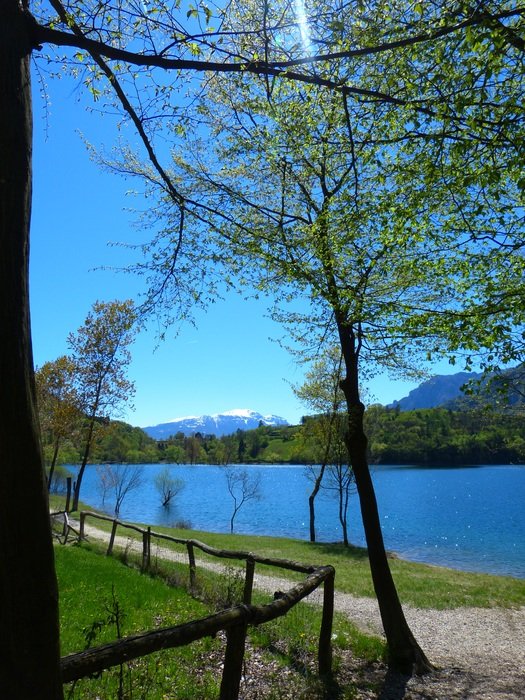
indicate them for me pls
(78, 211)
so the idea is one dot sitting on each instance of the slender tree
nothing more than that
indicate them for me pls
(290, 202)
(121, 479)
(101, 356)
(340, 202)
(321, 393)
(242, 487)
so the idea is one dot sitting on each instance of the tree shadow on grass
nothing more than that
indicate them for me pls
(331, 548)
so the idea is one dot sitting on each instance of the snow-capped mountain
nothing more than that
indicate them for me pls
(219, 424)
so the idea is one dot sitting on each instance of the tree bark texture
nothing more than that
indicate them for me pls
(29, 632)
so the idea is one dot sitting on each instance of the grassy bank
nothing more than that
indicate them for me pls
(419, 585)
(101, 600)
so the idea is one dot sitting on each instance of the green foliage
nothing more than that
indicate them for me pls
(424, 436)
(120, 442)
(101, 356)
(444, 437)
(116, 441)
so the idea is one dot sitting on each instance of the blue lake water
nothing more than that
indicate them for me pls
(470, 518)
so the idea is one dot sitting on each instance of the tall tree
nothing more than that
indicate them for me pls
(101, 356)
(291, 214)
(354, 205)
(58, 403)
(28, 589)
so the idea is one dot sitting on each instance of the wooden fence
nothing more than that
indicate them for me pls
(233, 621)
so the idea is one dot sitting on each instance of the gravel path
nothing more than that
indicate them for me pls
(481, 651)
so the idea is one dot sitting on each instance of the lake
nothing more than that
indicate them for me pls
(470, 518)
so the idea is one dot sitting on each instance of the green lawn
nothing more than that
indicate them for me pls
(102, 599)
(92, 589)
(420, 585)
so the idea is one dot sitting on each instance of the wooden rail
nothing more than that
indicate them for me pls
(67, 528)
(234, 621)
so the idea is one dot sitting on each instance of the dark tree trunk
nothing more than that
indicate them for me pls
(405, 653)
(29, 633)
(53, 463)
(311, 501)
(343, 507)
(87, 449)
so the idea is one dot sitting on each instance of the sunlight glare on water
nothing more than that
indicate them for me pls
(464, 517)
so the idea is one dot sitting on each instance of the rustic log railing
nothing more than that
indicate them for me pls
(67, 528)
(234, 621)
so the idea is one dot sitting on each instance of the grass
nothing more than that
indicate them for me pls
(101, 600)
(96, 592)
(419, 585)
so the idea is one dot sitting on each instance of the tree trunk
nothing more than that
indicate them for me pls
(53, 463)
(29, 639)
(311, 501)
(87, 449)
(343, 506)
(405, 653)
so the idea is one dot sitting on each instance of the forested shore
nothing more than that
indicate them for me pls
(424, 436)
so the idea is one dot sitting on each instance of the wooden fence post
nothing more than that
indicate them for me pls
(146, 544)
(324, 656)
(112, 538)
(193, 568)
(233, 661)
(82, 522)
(248, 582)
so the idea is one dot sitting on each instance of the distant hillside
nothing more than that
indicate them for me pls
(436, 391)
(218, 424)
(445, 390)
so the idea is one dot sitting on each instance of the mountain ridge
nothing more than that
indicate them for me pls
(436, 391)
(503, 390)
(218, 424)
